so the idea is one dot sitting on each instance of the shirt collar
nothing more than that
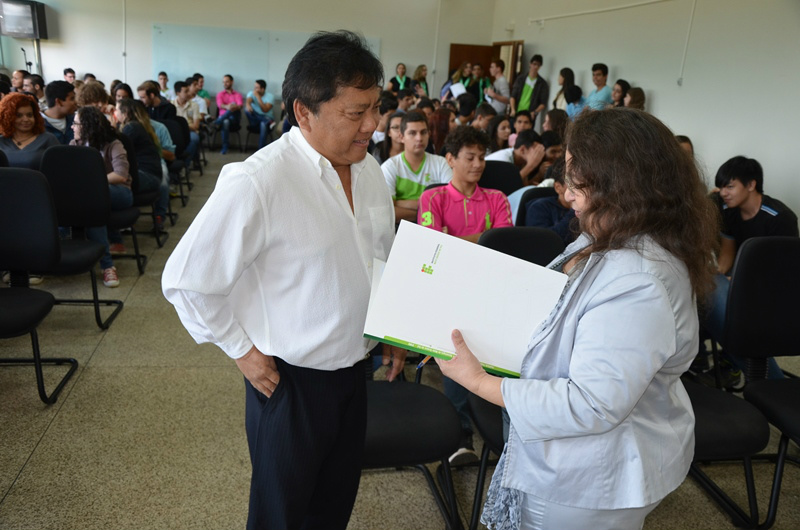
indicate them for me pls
(319, 161)
(457, 196)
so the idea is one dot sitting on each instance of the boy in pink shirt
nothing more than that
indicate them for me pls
(462, 208)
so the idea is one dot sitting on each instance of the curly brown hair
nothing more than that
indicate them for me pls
(91, 94)
(639, 181)
(9, 106)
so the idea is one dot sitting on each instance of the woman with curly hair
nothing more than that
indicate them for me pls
(22, 126)
(95, 94)
(419, 83)
(440, 124)
(92, 129)
(600, 400)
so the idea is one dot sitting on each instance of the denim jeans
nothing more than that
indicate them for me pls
(150, 182)
(225, 121)
(121, 197)
(263, 122)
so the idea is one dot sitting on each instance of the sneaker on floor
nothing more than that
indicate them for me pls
(35, 279)
(463, 457)
(116, 248)
(6, 277)
(110, 278)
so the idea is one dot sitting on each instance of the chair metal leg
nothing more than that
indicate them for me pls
(478, 499)
(37, 363)
(737, 515)
(141, 259)
(96, 302)
(444, 496)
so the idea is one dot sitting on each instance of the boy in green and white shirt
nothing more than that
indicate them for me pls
(409, 173)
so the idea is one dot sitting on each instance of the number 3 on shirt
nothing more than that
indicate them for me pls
(427, 218)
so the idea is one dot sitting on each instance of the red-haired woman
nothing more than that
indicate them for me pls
(22, 127)
(440, 125)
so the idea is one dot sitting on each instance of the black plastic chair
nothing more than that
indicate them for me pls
(536, 245)
(28, 241)
(410, 425)
(3, 159)
(79, 184)
(502, 176)
(761, 322)
(142, 199)
(126, 219)
(256, 129)
(178, 168)
(529, 196)
(235, 129)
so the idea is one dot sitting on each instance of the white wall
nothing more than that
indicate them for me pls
(88, 34)
(739, 93)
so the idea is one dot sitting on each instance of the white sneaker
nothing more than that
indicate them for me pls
(110, 278)
(463, 456)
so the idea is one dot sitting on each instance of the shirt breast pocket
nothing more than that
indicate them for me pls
(382, 230)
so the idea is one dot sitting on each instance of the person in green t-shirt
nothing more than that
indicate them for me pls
(530, 92)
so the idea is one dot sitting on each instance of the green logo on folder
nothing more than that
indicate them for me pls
(427, 269)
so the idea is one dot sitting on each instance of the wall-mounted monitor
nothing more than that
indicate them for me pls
(22, 19)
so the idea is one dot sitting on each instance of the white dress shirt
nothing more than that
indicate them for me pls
(277, 259)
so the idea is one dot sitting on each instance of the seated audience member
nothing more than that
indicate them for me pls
(34, 84)
(483, 116)
(554, 213)
(89, 77)
(392, 143)
(575, 101)
(618, 93)
(18, 79)
(440, 124)
(112, 90)
(69, 75)
(530, 92)
(258, 109)
(123, 91)
(556, 120)
(24, 138)
(229, 104)
(499, 93)
(92, 129)
(5, 88)
(158, 108)
(425, 106)
(528, 155)
(200, 102)
(499, 131)
(186, 108)
(163, 87)
(635, 98)
(399, 82)
(61, 110)
(480, 83)
(202, 92)
(409, 173)
(133, 121)
(466, 109)
(566, 79)
(451, 104)
(405, 99)
(93, 94)
(522, 122)
(419, 83)
(686, 144)
(600, 97)
(387, 107)
(747, 213)
(465, 210)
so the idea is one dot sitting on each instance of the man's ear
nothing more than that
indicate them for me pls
(450, 159)
(302, 114)
(751, 186)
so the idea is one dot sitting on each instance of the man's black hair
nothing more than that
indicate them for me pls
(36, 79)
(229, 76)
(573, 94)
(743, 169)
(404, 93)
(89, 75)
(189, 80)
(69, 71)
(600, 66)
(388, 103)
(327, 62)
(262, 83)
(550, 138)
(198, 75)
(5, 88)
(425, 103)
(527, 138)
(57, 90)
(556, 171)
(178, 86)
(412, 116)
(484, 109)
(465, 136)
(466, 104)
(4, 77)
(537, 59)
(163, 73)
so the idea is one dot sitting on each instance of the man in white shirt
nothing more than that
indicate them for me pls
(409, 173)
(276, 270)
(500, 92)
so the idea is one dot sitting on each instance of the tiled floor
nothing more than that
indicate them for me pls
(149, 433)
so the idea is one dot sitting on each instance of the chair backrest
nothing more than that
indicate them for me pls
(503, 176)
(133, 164)
(78, 181)
(530, 196)
(28, 229)
(536, 245)
(176, 133)
(3, 159)
(763, 313)
(434, 185)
